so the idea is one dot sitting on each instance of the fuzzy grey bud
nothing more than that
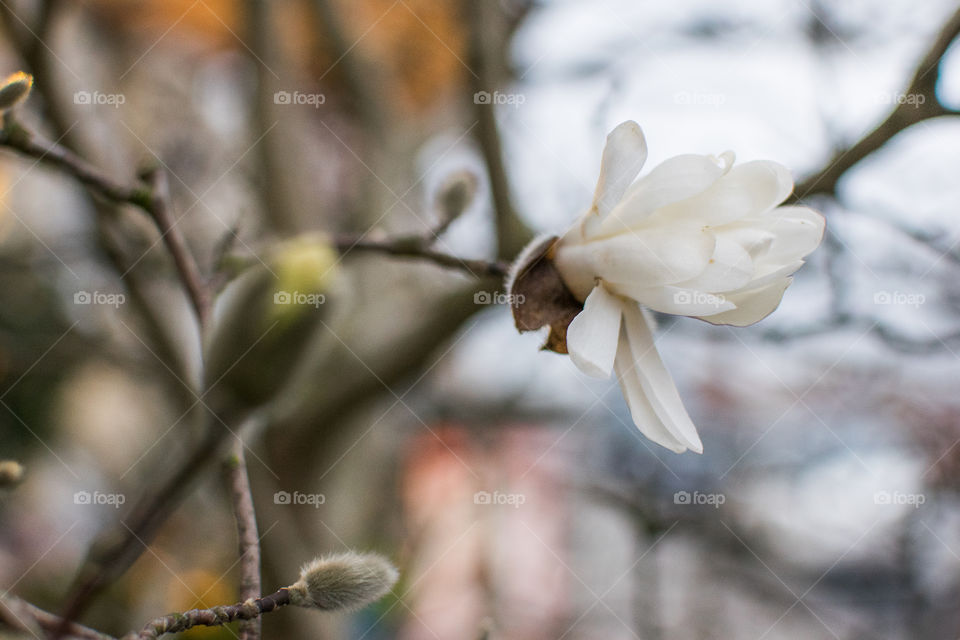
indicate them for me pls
(343, 581)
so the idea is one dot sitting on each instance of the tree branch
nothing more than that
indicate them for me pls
(907, 113)
(159, 210)
(485, 43)
(247, 535)
(176, 622)
(414, 247)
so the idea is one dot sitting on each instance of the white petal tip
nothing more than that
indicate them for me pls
(589, 369)
(627, 126)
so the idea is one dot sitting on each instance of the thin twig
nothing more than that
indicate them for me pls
(159, 210)
(248, 536)
(414, 247)
(907, 113)
(15, 136)
(177, 622)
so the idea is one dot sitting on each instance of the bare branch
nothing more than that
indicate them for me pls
(247, 535)
(217, 616)
(159, 210)
(906, 113)
(414, 247)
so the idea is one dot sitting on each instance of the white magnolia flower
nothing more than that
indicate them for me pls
(697, 237)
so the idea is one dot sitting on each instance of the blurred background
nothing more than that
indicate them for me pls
(514, 493)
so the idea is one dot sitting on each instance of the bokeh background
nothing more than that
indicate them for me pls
(515, 494)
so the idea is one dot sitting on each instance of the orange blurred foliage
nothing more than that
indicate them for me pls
(418, 44)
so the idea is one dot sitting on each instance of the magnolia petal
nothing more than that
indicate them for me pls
(671, 181)
(747, 190)
(640, 408)
(767, 275)
(674, 300)
(623, 157)
(592, 336)
(797, 232)
(650, 257)
(656, 381)
(753, 305)
(730, 268)
(754, 239)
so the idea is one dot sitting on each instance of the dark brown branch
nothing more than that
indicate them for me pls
(248, 537)
(907, 113)
(16, 137)
(414, 247)
(177, 622)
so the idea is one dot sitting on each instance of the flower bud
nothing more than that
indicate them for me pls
(264, 319)
(455, 195)
(11, 473)
(304, 263)
(15, 89)
(343, 581)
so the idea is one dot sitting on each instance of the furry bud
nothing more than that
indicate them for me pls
(343, 581)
